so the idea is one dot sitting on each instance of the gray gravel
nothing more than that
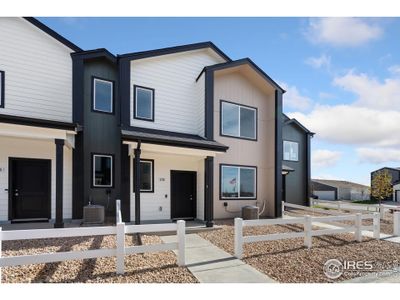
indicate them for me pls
(289, 261)
(139, 268)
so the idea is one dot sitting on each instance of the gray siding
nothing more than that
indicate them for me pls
(101, 134)
(297, 181)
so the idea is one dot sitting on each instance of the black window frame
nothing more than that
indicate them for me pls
(298, 151)
(153, 92)
(93, 185)
(152, 175)
(234, 136)
(94, 109)
(2, 84)
(221, 198)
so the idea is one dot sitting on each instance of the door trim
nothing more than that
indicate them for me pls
(195, 195)
(10, 184)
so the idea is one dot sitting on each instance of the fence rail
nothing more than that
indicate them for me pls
(120, 251)
(307, 233)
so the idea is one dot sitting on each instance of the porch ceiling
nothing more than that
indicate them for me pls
(32, 132)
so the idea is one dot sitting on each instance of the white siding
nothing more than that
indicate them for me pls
(179, 100)
(201, 105)
(38, 72)
(163, 163)
(325, 195)
(29, 148)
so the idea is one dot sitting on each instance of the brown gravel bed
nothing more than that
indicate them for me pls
(290, 262)
(139, 268)
(386, 222)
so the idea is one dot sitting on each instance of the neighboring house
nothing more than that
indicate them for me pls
(296, 182)
(395, 174)
(339, 190)
(198, 134)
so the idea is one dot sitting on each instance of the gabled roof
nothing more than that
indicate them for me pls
(239, 62)
(176, 49)
(389, 168)
(340, 183)
(52, 33)
(288, 121)
(96, 53)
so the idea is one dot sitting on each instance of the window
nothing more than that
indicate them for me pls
(238, 182)
(146, 175)
(290, 150)
(238, 121)
(2, 89)
(102, 170)
(143, 103)
(103, 95)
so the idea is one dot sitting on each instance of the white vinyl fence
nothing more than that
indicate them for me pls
(120, 251)
(307, 232)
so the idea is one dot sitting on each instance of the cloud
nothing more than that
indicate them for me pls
(370, 91)
(395, 69)
(293, 99)
(324, 61)
(343, 32)
(325, 158)
(347, 124)
(323, 95)
(378, 156)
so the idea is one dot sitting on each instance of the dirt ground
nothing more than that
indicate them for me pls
(290, 262)
(139, 268)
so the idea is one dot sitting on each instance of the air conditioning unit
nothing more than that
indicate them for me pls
(93, 214)
(249, 212)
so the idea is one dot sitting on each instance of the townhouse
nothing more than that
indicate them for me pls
(175, 133)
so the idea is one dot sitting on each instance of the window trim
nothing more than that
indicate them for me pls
(2, 84)
(152, 175)
(93, 185)
(221, 198)
(112, 82)
(283, 150)
(135, 87)
(221, 133)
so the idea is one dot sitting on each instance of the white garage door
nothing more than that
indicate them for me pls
(325, 195)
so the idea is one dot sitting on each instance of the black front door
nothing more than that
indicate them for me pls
(183, 194)
(30, 188)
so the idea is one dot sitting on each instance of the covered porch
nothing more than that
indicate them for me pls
(35, 171)
(174, 174)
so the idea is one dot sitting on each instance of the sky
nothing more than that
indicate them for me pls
(342, 75)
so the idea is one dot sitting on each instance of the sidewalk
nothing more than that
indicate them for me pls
(210, 264)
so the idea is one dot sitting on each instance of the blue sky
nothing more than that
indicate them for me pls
(342, 75)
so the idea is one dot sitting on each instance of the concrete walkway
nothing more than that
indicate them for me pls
(210, 264)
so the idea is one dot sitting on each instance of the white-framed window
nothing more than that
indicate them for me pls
(238, 120)
(290, 151)
(146, 176)
(238, 182)
(143, 103)
(103, 95)
(102, 170)
(2, 79)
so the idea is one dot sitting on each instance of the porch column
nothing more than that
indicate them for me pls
(209, 191)
(59, 182)
(137, 152)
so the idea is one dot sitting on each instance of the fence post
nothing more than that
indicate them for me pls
(358, 223)
(120, 248)
(181, 242)
(307, 231)
(396, 223)
(377, 226)
(118, 218)
(1, 238)
(283, 208)
(382, 211)
(238, 237)
(338, 206)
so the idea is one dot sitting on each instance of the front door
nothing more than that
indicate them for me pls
(183, 194)
(30, 188)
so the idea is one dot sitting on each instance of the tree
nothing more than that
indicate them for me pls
(381, 185)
